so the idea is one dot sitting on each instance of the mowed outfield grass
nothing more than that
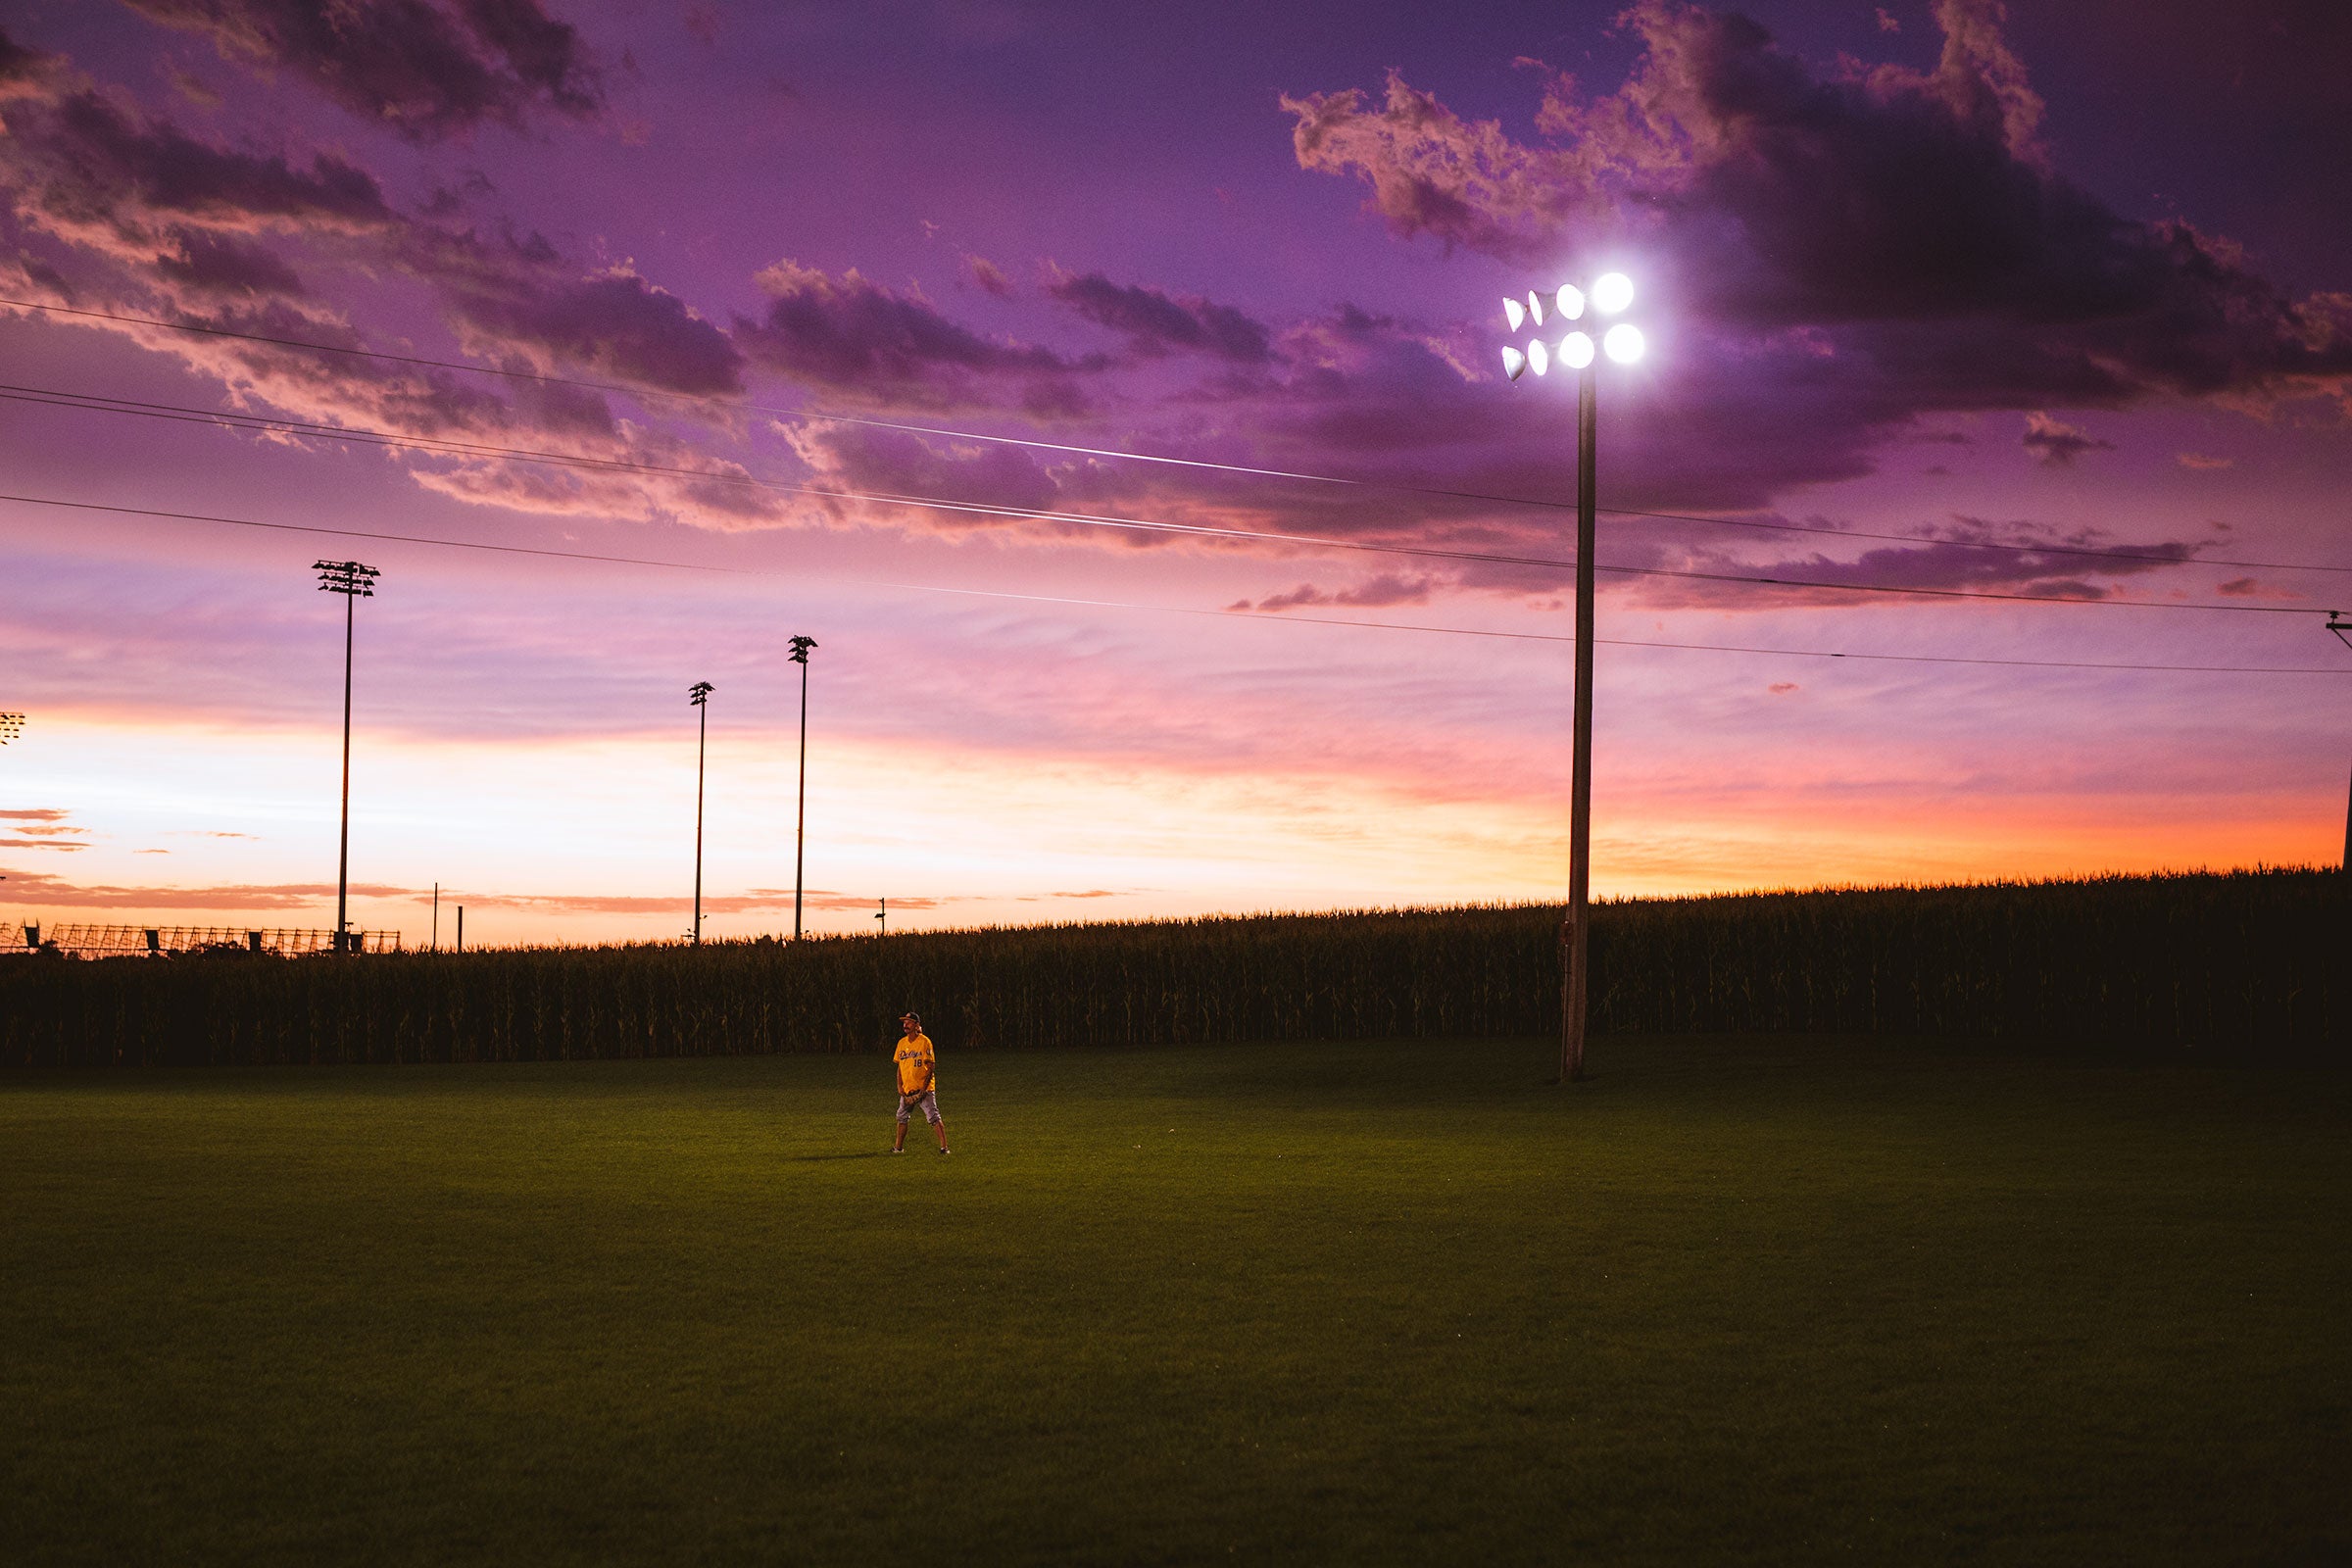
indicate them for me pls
(1771, 1301)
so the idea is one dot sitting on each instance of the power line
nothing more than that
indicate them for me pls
(740, 405)
(102, 404)
(1166, 610)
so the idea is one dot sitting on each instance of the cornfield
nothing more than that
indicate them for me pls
(2246, 959)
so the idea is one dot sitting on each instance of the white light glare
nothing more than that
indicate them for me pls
(1513, 362)
(1624, 343)
(1515, 314)
(1534, 308)
(1571, 301)
(1535, 358)
(1612, 292)
(1576, 351)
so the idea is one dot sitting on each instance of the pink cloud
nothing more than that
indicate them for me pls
(2055, 442)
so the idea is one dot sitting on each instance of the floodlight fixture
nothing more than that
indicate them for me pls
(1612, 292)
(1622, 343)
(1576, 351)
(1514, 362)
(1536, 360)
(346, 577)
(1570, 302)
(1515, 314)
(1534, 306)
(12, 725)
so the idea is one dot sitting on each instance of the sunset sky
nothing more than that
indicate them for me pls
(2049, 311)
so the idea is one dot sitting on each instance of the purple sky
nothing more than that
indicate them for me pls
(2056, 307)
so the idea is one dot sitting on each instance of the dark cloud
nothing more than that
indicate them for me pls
(424, 68)
(84, 171)
(1156, 323)
(2056, 442)
(211, 264)
(26, 71)
(854, 337)
(1909, 221)
(1942, 564)
(520, 296)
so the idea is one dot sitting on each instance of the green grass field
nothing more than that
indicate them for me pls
(1771, 1301)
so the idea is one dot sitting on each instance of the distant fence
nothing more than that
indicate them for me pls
(136, 941)
(2228, 966)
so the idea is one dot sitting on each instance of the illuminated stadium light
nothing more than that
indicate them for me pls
(1609, 294)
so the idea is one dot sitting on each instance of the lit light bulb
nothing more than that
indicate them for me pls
(1612, 292)
(1624, 343)
(1534, 308)
(1571, 301)
(1513, 362)
(1536, 360)
(1576, 351)
(1515, 314)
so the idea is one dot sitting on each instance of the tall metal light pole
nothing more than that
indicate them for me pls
(699, 694)
(2338, 625)
(1611, 293)
(354, 582)
(799, 835)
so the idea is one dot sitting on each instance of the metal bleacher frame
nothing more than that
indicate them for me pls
(86, 941)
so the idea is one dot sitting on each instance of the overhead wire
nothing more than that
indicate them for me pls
(105, 404)
(745, 406)
(1171, 610)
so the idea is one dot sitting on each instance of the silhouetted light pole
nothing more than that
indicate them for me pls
(800, 837)
(883, 914)
(699, 694)
(2338, 625)
(1611, 293)
(354, 582)
(12, 725)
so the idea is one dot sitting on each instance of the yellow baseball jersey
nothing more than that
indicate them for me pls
(917, 1063)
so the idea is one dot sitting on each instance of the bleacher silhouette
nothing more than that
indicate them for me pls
(139, 941)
